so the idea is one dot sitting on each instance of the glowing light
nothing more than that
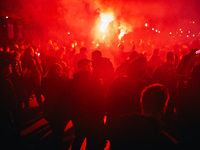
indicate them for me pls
(170, 32)
(105, 119)
(97, 45)
(7, 17)
(188, 31)
(193, 35)
(105, 19)
(187, 35)
(181, 31)
(104, 36)
(146, 24)
(153, 29)
(193, 22)
(73, 45)
(122, 32)
(68, 33)
(156, 30)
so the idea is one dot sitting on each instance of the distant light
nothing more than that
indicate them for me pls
(68, 33)
(193, 22)
(187, 35)
(193, 35)
(170, 32)
(7, 17)
(173, 36)
(97, 45)
(188, 31)
(146, 24)
(153, 29)
(181, 31)
(156, 30)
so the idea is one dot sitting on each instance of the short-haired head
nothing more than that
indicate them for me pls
(85, 64)
(154, 99)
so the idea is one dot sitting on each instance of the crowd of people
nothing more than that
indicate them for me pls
(143, 102)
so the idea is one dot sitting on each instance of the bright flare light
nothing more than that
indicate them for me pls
(105, 19)
(122, 32)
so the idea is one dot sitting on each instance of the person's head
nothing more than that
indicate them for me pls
(137, 67)
(170, 57)
(133, 55)
(154, 99)
(83, 50)
(96, 55)
(85, 64)
(55, 70)
(5, 64)
(29, 51)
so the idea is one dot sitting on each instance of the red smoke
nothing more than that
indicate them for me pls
(55, 18)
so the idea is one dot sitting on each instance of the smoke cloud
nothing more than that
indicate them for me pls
(60, 19)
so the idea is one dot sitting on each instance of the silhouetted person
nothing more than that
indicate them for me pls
(188, 111)
(10, 135)
(119, 55)
(144, 130)
(122, 69)
(87, 106)
(18, 83)
(166, 74)
(38, 59)
(59, 60)
(49, 59)
(32, 74)
(102, 68)
(55, 89)
(154, 60)
(81, 55)
(124, 94)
